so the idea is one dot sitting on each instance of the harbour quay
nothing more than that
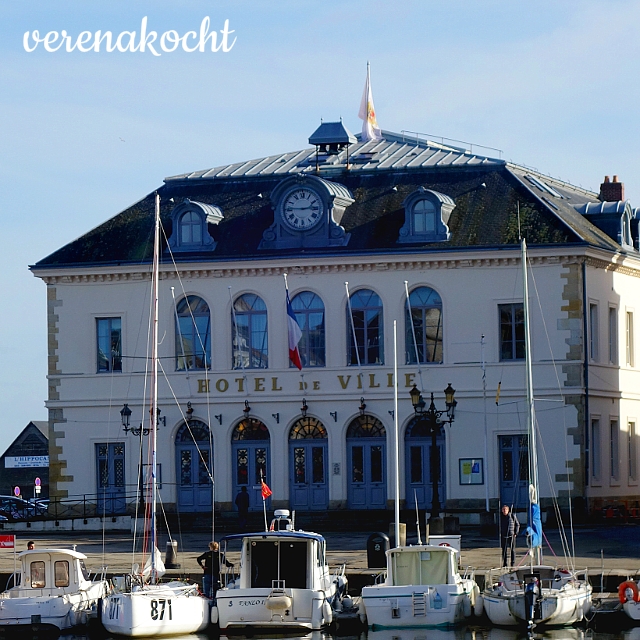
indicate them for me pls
(610, 553)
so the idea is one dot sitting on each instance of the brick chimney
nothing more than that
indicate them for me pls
(611, 191)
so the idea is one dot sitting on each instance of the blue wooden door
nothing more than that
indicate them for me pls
(367, 473)
(251, 465)
(111, 487)
(308, 478)
(194, 475)
(419, 478)
(514, 470)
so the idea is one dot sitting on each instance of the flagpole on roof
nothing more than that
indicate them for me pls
(367, 113)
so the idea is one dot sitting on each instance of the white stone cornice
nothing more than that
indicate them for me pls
(349, 264)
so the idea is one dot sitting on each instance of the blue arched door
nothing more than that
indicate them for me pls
(193, 467)
(250, 445)
(419, 476)
(366, 460)
(514, 470)
(308, 481)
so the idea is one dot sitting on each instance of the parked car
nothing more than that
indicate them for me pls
(15, 509)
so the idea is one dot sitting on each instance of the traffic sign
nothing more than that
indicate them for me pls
(16, 492)
(38, 482)
(7, 542)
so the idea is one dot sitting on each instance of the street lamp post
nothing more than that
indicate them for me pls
(434, 422)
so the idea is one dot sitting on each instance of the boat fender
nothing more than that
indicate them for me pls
(628, 592)
(478, 608)
(327, 613)
(466, 605)
(277, 603)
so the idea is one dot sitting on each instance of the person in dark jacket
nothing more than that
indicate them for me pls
(242, 502)
(509, 529)
(209, 561)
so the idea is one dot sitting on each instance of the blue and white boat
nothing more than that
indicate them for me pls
(284, 581)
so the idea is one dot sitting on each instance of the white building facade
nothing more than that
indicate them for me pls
(350, 223)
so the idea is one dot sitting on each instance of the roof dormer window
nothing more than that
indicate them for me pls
(190, 228)
(426, 216)
(191, 222)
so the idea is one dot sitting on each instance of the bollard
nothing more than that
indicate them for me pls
(171, 556)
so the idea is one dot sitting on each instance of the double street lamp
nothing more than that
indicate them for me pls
(433, 420)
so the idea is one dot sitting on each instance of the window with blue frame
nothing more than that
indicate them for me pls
(309, 311)
(109, 347)
(364, 328)
(249, 321)
(193, 334)
(423, 327)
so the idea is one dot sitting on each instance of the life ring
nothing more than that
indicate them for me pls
(622, 591)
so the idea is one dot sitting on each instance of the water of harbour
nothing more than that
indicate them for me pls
(475, 632)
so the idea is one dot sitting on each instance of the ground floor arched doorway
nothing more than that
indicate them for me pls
(194, 470)
(418, 472)
(366, 461)
(250, 450)
(308, 481)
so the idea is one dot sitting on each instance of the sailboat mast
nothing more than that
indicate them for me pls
(395, 432)
(154, 383)
(531, 417)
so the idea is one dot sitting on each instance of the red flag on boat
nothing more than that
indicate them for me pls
(266, 492)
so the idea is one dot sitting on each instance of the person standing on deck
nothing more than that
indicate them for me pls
(209, 561)
(509, 529)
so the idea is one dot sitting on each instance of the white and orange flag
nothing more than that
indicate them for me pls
(367, 113)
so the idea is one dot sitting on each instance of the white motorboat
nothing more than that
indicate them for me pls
(138, 605)
(536, 593)
(422, 588)
(53, 589)
(284, 581)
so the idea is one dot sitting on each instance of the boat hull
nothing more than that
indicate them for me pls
(254, 608)
(156, 610)
(388, 606)
(557, 607)
(63, 611)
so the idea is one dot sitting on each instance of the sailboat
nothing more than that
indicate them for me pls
(536, 593)
(422, 586)
(139, 605)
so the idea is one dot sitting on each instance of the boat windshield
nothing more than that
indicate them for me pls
(420, 567)
(284, 560)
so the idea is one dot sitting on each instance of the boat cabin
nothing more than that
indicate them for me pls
(422, 565)
(50, 572)
(281, 557)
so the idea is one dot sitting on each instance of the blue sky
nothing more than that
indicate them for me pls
(553, 84)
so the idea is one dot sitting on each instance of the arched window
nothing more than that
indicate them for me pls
(250, 429)
(249, 333)
(423, 327)
(309, 312)
(308, 428)
(193, 334)
(366, 427)
(190, 228)
(366, 322)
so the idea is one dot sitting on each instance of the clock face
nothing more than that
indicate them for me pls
(302, 209)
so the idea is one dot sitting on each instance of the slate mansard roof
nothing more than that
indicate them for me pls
(380, 174)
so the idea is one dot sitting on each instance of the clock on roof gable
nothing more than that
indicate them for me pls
(307, 213)
(190, 231)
